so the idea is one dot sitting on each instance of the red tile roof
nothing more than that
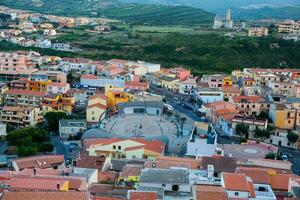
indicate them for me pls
(25, 92)
(136, 84)
(204, 192)
(53, 195)
(44, 161)
(237, 182)
(280, 181)
(258, 175)
(154, 145)
(251, 99)
(141, 195)
(35, 183)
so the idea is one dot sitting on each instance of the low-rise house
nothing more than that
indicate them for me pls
(209, 95)
(175, 182)
(58, 102)
(279, 138)
(248, 105)
(79, 95)
(230, 92)
(97, 106)
(55, 87)
(252, 124)
(88, 80)
(20, 117)
(205, 192)
(138, 70)
(39, 162)
(130, 173)
(214, 109)
(181, 73)
(258, 32)
(203, 140)
(187, 86)
(283, 116)
(115, 97)
(168, 82)
(61, 46)
(132, 148)
(237, 186)
(214, 81)
(80, 65)
(71, 127)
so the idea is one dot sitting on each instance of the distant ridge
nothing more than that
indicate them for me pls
(136, 13)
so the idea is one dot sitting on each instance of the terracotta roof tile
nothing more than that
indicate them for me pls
(280, 181)
(89, 76)
(258, 175)
(98, 105)
(53, 195)
(35, 183)
(204, 192)
(44, 161)
(141, 195)
(236, 182)
(251, 99)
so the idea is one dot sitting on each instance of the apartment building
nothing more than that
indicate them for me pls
(258, 32)
(12, 61)
(20, 117)
(16, 97)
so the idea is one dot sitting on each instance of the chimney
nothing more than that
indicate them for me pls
(58, 186)
(210, 172)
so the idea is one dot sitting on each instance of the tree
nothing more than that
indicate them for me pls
(273, 156)
(263, 134)
(264, 115)
(29, 141)
(292, 137)
(52, 119)
(242, 130)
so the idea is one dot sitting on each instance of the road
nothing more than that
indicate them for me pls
(295, 159)
(61, 147)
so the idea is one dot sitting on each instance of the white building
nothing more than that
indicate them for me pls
(58, 88)
(3, 132)
(71, 127)
(203, 140)
(61, 46)
(188, 86)
(279, 138)
(209, 95)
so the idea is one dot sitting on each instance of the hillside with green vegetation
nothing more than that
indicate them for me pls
(201, 51)
(132, 13)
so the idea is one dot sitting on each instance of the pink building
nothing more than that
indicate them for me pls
(13, 61)
(181, 73)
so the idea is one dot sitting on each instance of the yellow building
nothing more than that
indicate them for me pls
(97, 105)
(114, 97)
(40, 86)
(109, 88)
(169, 82)
(283, 116)
(58, 102)
(227, 81)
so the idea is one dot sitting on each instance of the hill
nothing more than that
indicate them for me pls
(285, 12)
(135, 13)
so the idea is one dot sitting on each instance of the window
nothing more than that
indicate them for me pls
(119, 147)
(175, 187)
(163, 185)
(253, 106)
(236, 194)
(114, 146)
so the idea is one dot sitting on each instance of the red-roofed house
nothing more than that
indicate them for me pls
(41, 162)
(236, 185)
(127, 148)
(97, 105)
(43, 195)
(248, 105)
